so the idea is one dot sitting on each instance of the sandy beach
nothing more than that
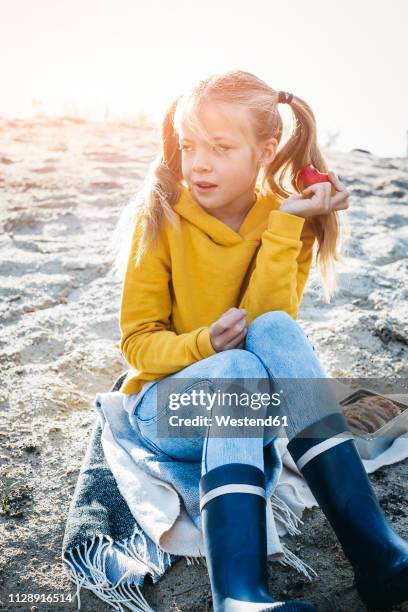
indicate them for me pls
(63, 183)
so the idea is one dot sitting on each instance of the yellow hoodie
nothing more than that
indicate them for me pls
(186, 281)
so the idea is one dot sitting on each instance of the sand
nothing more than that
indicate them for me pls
(63, 183)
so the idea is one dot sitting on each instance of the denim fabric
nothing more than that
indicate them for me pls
(276, 347)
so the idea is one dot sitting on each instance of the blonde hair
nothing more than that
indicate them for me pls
(162, 186)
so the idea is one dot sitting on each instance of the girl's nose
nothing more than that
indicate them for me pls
(200, 163)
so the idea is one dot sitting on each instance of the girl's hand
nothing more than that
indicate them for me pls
(229, 330)
(321, 201)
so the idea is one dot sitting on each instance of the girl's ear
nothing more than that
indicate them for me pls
(268, 151)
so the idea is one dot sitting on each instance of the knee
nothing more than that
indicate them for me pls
(241, 363)
(275, 323)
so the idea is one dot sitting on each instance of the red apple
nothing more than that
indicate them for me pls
(309, 175)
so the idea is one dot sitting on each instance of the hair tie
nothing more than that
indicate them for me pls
(285, 98)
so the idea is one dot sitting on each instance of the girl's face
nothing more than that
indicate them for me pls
(232, 167)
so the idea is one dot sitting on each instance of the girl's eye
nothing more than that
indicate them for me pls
(186, 148)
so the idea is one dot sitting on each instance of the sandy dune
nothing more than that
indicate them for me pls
(62, 186)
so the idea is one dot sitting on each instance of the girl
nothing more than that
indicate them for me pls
(213, 283)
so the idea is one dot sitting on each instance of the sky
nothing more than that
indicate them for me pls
(109, 58)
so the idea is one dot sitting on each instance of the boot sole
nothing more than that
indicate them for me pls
(394, 592)
(291, 606)
(238, 605)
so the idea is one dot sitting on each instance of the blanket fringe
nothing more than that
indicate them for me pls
(192, 560)
(291, 559)
(129, 547)
(122, 595)
(284, 514)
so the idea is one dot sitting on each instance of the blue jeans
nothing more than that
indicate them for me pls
(275, 348)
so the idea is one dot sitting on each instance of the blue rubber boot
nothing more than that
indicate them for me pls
(233, 515)
(337, 478)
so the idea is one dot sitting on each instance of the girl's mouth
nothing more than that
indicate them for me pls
(203, 187)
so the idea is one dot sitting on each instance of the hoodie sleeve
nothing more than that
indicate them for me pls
(147, 343)
(281, 267)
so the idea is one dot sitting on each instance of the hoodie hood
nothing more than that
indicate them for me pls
(252, 227)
